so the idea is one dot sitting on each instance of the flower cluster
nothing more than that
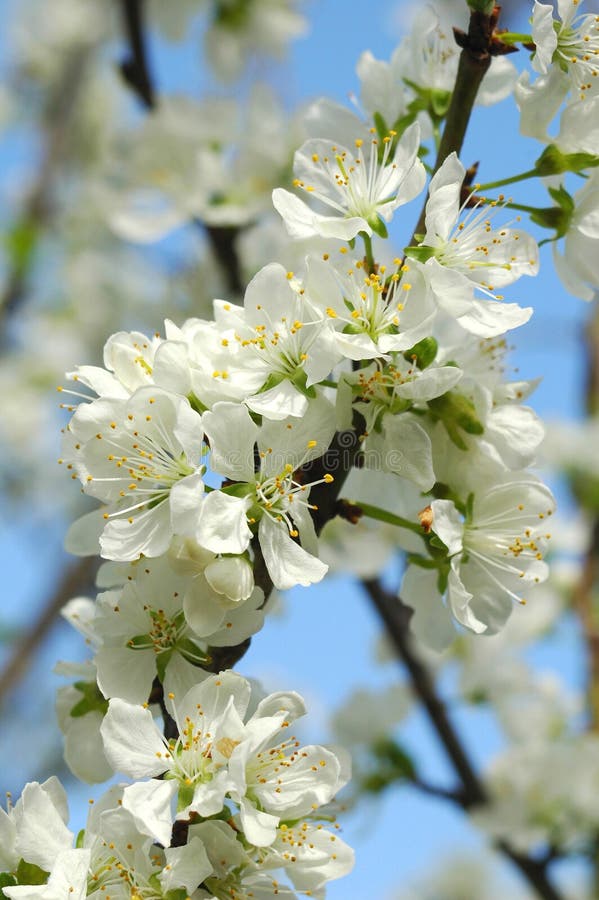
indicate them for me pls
(239, 804)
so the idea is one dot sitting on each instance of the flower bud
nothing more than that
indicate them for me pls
(231, 576)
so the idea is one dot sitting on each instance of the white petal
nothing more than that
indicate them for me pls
(448, 525)
(132, 741)
(187, 866)
(223, 527)
(288, 564)
(279, 402)
(232, 434)
(149, 802)
(489, 318)
(431, 622)
(302, 222)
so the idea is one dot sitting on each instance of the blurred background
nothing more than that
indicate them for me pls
(72, 130)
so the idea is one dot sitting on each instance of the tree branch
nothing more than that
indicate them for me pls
(395, 616)
(136, 72)
(135, 68)
(77, 578)
(478, 45)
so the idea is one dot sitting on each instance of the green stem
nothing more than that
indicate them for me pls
(368, 251)
(382, 515)
(515, 37)
(519, 206)
(531, 173)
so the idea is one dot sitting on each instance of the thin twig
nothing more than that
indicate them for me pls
(59, 110)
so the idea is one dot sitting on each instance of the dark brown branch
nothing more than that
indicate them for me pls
(78, 578)
(222, 241)
(136, 72)
(479, 45)
(395, 616)
(135, 68)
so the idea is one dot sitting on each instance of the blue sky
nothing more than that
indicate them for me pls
(322, 644)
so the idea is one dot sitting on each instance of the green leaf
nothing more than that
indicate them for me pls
(20, 245)
(91, 701)
(393, 764)
(482, 6)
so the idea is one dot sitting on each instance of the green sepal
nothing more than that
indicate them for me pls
(469, 507)
(272, 381)
(424, 352)
(6, 880)
(191, 652)
(299, 380)
(92, 700)
(140, 642)
(557, 217)
(456, 412)
(196, 403)
(185, 796)
(29, 873)
(440, 101)
(380, 125)
(352, 329)
(436, 542)
(239, 489)
(174, 894)
(162, 661)
(441, 491)
(378, 226)
(553, 162)
(423, 562)
(422, 252)
(79, 839)
(442, 580)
